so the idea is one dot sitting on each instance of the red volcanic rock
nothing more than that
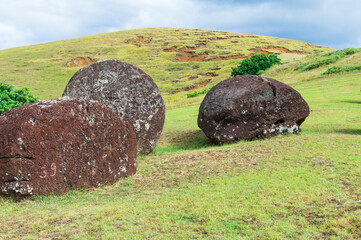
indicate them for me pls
(250, 107)
(57, 145)
(129, 91)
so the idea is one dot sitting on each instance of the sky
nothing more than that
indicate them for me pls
(328, 23)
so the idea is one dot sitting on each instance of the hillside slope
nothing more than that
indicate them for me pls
(319, 64)
(179, 60)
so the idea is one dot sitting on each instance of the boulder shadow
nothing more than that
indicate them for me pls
(188, 140)
(353, 102)
(349, 131)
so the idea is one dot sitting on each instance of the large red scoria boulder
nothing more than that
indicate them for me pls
(250, 107)
(129, 91)
(57, 145)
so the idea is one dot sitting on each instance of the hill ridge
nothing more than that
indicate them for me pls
(178, 59)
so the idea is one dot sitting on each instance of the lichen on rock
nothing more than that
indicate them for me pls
(250, 107)
(129, 91)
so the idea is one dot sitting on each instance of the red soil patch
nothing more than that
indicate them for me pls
(258, 51)
(201, 44)
(80, 62)
(171, 49)
(139, 41)
(209, 74)
(194, 87)
(285, 50)
(187, 55)
(218, 38)
(222, 58)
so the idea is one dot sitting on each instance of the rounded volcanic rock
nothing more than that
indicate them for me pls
(57, 145)
(250, 107)
(129, 91)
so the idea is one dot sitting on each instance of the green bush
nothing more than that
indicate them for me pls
(326, 59)
(255, 64)
(321, 62)
(10, 98)
(342, 69)
(197, 93)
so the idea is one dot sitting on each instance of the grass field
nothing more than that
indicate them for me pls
(177, 59)
(305, 186)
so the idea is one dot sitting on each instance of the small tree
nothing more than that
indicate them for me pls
(255, 64)
(10, 98)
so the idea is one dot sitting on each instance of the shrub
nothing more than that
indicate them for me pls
(326, 59)
(197, 93)
(321, 62)
(10, 98)
(255, 64)
(342, 69)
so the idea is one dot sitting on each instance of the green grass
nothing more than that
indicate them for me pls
(304, 186)
(342, 69)
(317, 64)
(326, 59)
(42, 67)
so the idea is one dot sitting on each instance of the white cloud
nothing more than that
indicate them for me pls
(323, 22)
(11, 36)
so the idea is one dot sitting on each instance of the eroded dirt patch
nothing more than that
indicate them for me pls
(80, 62)
(258, 50)
(194, 87)
(188, 55)
(139, 41)
(285, 50)
(222, 58)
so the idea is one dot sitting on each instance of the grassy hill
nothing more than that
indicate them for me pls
(179, 60)
(304, 186)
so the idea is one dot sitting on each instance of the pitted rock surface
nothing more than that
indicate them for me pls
(250, 107)
(57, 145)
(129, 91)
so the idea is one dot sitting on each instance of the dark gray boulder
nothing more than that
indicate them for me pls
(250, 107)
(129, 91)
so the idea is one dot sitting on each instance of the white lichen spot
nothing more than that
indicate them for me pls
(21, 142)
(32, 121)
(137, 125)
(123, 169)
(147, 126)
(244, 111)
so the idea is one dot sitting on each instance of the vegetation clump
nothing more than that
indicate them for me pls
(197, 93)
(10, 98)
(256, 64)
(342, 69)
(326, 59)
